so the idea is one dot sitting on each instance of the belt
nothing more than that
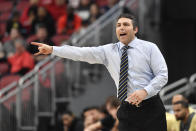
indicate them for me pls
(145, 102)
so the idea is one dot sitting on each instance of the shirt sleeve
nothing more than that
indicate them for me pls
(159, 69)
(92, 55)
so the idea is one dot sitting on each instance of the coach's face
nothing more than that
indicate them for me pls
(125, 31)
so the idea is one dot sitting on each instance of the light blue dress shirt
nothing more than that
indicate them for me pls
(147, 67)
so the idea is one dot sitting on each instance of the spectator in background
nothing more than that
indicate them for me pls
(9, 46)
(98, 119)
(94, 13)
(14, 22)
(46, 2)
(70, 122)
(29, 14)
(74, 3)
(43, 18)
(84, 10)
(69, 23)
(172, 124)
(101, 3)
(179, 97)
(187, 120)
(112, 104)
(41, 36)
(22, 61)
(171, 121)
(111, 3)
(57, 8)
(90, 115)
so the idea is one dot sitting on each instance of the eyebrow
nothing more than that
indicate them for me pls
(123, 23)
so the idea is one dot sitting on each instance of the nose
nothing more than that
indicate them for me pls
(176, 114)
(122, 27)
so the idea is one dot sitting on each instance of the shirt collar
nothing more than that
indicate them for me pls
(132, 44)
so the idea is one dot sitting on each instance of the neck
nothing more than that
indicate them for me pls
(186, 118)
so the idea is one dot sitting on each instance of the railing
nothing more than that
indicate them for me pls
(35, 96)
(53, 79)
(192, 81)
(177, 87)
(8, 88)
(185, 86)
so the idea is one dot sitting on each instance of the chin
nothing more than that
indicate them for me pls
(124, 42)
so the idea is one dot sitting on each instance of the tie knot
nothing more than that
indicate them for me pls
(125, 48)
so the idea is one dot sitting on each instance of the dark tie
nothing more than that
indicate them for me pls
(122, 90)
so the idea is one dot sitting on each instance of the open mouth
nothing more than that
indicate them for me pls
(123, 34)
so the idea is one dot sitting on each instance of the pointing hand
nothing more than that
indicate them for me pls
(43, 48)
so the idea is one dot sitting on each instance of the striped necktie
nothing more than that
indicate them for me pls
(122, 90)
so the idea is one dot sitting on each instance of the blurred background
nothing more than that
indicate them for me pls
(37, 92)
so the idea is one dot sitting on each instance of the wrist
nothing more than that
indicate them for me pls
(145, 92)
(51, 49)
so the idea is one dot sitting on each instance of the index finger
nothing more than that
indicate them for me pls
(37, 44)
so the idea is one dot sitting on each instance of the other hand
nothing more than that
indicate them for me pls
(137, 97)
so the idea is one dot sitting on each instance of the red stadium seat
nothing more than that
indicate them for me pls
(2, 28)
(58, 39)
(4, 16)
(6, 80)
(59, 68)
(45, 81)
(102, 3)
(6, 6)
(22, 5)
(4, 67)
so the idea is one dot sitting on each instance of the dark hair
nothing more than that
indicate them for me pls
(129, 16)
(113, 101)
(68, 112)
(41, 26)
(88, 109)
(183, 103)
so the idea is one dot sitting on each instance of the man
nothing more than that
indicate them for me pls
(112, 104)
(9, 46)
(172, 124)
(187, 120)
(138, 69)
(41, 36)
(171, 121)
(68, 23)
(70, 122)
(22, 61)
(179, 97)
(97, 119)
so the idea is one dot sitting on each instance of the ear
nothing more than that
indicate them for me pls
(135, 30)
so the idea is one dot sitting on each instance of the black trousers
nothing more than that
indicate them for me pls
(150, 116)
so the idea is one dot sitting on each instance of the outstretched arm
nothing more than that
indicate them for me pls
(91, 55)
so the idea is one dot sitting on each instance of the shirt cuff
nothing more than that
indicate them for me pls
(54, 50)
(149, 89)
